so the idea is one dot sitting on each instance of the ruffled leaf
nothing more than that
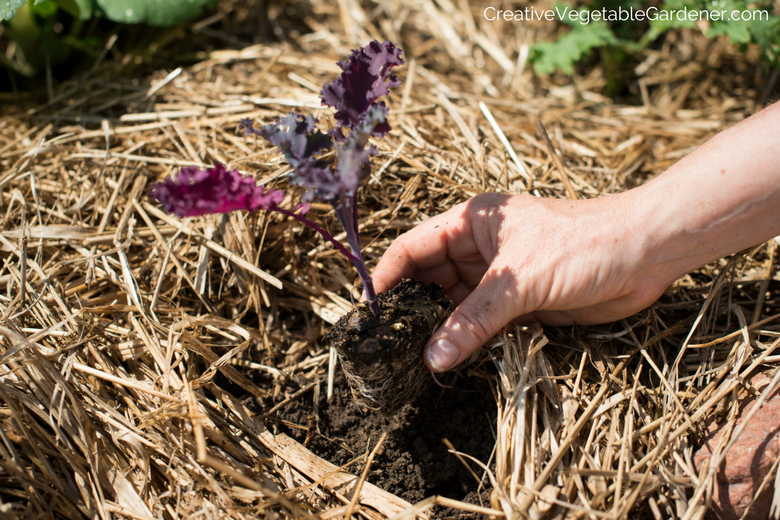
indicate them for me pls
(295, 137)
(195, 192)
(366, 77)
(354, 151)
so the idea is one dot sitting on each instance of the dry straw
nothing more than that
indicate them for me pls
(116, 318)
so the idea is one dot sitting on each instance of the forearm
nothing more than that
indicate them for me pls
(720, 199)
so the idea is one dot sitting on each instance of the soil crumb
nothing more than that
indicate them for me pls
(414, 462)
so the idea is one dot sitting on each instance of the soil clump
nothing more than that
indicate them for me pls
(382, 355)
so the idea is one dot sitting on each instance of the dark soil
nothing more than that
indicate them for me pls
(382, 355)
(413, 463)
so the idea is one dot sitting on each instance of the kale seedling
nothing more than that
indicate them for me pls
(359, 115)
(379, 344)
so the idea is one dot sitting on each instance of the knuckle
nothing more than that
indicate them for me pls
(474, 323)
(488, 199)
(398, 249)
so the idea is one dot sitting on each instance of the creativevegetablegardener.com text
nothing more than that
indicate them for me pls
(623, 15)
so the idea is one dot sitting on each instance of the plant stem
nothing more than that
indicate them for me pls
(357, 261)
(346, 211)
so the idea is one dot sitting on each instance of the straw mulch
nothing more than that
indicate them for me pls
(117, 318)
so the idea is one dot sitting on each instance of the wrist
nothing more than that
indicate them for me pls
(656, 244)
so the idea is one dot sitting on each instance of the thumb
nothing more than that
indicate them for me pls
(493, 304)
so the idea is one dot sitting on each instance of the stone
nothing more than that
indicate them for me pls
(748, 461)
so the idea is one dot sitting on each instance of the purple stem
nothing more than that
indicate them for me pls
(357, 261)
(368, 283)
(346, 211)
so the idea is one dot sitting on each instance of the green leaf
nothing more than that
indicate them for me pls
(79, 8)
(153, 12)
(666, 18)
(738, 31)
(766, 34)
(570, 48)
(8, 8)
(44, 8)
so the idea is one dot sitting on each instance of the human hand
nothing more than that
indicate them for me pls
(502, 257)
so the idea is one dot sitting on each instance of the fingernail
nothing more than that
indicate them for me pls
(442, 355)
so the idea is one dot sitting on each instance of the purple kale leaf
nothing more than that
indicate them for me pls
(329, 177)
(295, 137)
(366, 77)
(195, 192)
(355, 95)
(335, 182)
(353, 153)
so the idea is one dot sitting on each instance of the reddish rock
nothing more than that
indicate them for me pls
(748, 461)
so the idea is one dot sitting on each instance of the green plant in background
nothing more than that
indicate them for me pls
(152, 12)
(575, 45)
(43, 33)
(618, 39)
(35, 38)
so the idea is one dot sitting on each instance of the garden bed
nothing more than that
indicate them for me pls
(154, 367)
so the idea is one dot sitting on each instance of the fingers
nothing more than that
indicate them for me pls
(417, 249)
(459, 292)
(425, 247)
(397, 263)
(446, 275)
(493, 304)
